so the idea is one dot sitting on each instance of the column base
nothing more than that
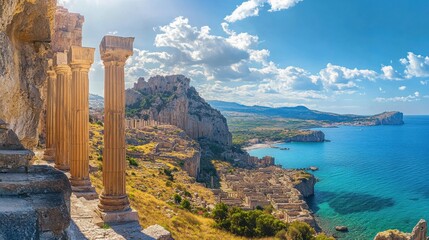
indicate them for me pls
(83, 188)
(49, 154)
(113, 203)
(62, 167)
(129, 215)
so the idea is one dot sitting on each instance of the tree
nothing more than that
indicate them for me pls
(300, 231)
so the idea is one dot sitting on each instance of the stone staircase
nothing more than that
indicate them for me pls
(34, 200)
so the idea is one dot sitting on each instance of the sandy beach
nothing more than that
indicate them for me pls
(261, 145)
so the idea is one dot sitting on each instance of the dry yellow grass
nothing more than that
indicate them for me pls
(149, 190)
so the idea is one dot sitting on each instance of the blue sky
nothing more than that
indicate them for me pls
(345, 56)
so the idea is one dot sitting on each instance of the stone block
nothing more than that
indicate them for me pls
(119, 216)
(9, 140)
(158, 232)
(14, 159)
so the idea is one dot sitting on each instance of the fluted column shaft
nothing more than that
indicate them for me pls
(114, 164)
(50, 114)
(80, 59)
(114, 52)
(79, 147)
(62, 124)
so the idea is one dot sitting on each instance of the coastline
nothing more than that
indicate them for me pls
(265, 144)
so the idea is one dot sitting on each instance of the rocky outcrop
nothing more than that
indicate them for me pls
(389, 118)
(165, 141)
(171, 100)
(419, 233)
(305, 185)
(25, 34)
(306, 136)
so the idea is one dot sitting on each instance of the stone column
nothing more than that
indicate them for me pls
(50, 113)
(62, 112)
(80, 60)
(114, 205)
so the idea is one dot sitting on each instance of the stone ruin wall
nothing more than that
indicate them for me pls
(30, 32)
(25, 35)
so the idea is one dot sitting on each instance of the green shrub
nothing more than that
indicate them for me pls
(185, 204)
(323, 236)
(177, 198)
(254, 223)
(132, 161)
(300, 231)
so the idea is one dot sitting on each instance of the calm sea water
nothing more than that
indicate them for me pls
(371, 178)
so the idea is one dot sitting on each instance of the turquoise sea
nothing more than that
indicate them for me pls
(371, 178)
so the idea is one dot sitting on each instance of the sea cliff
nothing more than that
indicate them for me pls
(306, 136)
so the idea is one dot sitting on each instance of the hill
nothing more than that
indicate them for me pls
(171, 100)
(303, 113)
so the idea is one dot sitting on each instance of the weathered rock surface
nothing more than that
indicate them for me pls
(67, 30)
(158, 232)
(171, 100)
(307, 136)
(306, 186)
(9, 140)
(389, 118)
(419, 233)
(25, 33)
(34, 204)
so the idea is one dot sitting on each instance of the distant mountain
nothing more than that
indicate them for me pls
(96, 101)
(301, 112)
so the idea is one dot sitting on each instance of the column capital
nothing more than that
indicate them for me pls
(116, 49)
(60, 62)
(51, 70)
(81, 57)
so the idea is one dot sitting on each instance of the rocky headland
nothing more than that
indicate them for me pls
(171, 100)
(305, 136)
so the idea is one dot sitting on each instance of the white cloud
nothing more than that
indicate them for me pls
(424, 83)
(277, 5)
(415, 65)
(251, 8)
(389, 73)
(402, 88)
(342, 78)
(409, 98)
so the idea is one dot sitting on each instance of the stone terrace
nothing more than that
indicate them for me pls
(264, 186)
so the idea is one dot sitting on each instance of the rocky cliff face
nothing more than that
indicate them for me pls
(25, 34)
(389, 118)
(307, 136)
(419, 233)
(306, 186)
(171, 100)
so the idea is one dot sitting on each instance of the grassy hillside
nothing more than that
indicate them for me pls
(152, 186)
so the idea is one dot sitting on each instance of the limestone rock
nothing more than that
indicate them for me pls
(158, 232)
(389, 118)
(25, 33)
(9, 140)
(171, 100)
(419, 233)
(306, 186)
(307, 136)
(67, 30)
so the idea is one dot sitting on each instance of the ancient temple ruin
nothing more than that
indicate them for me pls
(35, 199)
